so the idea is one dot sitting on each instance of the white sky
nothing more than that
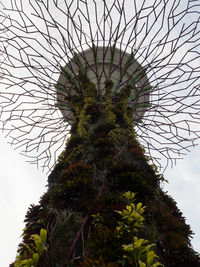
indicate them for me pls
(22, 185)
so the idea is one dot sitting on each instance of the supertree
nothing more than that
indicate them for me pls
(117, 82)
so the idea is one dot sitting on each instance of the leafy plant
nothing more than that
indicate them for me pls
(132, 250)
(36, 249)
(138, 253)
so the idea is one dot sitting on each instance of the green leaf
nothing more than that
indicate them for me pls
(61, 105)
(139, 242)
(130, 58)
(129, 196)
(77, 58)
(128, 248)
(60, 88)
(139, 205)
(157, 264)
(43, 235)
(27, 263)
(142, 264)
(35, 258)
(128, 208)
(69, 77)
(150, 258)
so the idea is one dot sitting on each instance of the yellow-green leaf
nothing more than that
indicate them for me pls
(142, 264)
(43, 235)
(139, 205)
(36, 258)
(150, 258)
(157, 264)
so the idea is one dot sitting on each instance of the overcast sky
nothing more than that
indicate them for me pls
(22, 184)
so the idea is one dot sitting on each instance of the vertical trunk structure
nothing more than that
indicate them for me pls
(102, 160)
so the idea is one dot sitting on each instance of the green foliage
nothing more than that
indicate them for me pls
(140, 254)
(125, 248)
(131, 216)
(35, 250)
(69, 77)
(74, 192)
(109, 114)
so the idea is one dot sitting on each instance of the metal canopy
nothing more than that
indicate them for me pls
(40, 37)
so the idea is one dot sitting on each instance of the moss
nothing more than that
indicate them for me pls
(89, 93)
(75, 155)
(108, 111)
(78, 169)
(75, 193)
(123, 112)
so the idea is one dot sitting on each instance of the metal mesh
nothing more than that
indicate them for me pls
(40, 37)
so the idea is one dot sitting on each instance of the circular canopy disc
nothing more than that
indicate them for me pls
(100, 64)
